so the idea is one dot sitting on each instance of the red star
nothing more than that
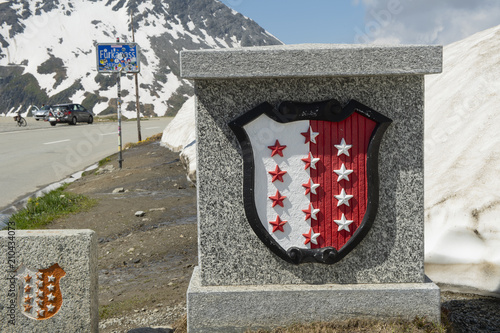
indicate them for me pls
(311, 237)
(311, 212)
(27, 288)
(307, 136)
(310, 188)
(278, 199)
(310, 135)
(278, 224)
(27, 278)
(310, 161)
(277, 174)
(27, 307)
(277, 149)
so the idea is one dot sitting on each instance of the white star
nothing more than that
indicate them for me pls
(51, 278)
(50, 307)
(314, 160)
(39, 313)
(343, 223)
(343, 198)
(51, 297)
(314, 187)
(39, 284)
(50, 287)
(343, 148)
(39, 293)
(343, 173)
(39, 275)
(314, 237)
(312, 135)
(314, 211)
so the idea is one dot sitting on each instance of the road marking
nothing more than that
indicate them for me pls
(50, 143)
(109, 133)
(152, 127)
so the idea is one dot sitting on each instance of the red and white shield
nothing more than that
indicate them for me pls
(311, 169)
(39, 294)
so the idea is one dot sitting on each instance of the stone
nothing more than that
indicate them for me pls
(238, 308)
(63, 294)
(229, 83)
(118, 190)
(140, 213)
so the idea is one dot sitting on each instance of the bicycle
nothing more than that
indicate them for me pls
(20, 121)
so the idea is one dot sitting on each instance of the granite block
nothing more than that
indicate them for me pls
(75, 251)
(311, 60)
(229, 251)
(237, 308)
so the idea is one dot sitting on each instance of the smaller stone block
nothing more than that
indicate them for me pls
(51, 281)
(236, 308)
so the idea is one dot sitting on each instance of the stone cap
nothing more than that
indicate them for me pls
(311, 60)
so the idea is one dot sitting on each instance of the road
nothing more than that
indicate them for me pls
(37, 155)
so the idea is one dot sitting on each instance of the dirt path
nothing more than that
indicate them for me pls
(145, 262)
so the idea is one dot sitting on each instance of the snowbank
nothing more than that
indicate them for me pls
(179, 135)
(462, 165)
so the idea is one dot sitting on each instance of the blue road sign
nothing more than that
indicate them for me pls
(118, 57)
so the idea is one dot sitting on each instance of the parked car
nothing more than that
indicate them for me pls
(42, 113)
(70, 113)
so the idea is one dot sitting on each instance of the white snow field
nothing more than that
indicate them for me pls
(462, 165)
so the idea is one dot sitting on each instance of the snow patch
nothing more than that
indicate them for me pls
(180, 135)
(462, 164)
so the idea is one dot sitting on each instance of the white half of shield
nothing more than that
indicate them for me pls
(22, 272)
(263, 132)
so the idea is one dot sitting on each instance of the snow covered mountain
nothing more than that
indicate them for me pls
(47, 50)
(462, 164)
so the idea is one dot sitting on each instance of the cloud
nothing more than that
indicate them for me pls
(425, 21)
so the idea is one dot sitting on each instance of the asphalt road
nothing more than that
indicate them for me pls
(37, 155)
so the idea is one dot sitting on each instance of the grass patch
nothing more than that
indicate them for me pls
(418, 325)
(55, 204)
(104, 161)
(153, 138)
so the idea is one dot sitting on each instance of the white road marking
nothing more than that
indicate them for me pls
(114, 133)
(152, 127)
(50, 143)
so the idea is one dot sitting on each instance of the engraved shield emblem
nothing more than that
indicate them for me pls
(310, 176)
(39, 294)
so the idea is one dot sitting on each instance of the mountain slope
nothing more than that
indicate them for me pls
(462, 164)
(47, 52)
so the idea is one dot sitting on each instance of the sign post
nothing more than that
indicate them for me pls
(119, 58)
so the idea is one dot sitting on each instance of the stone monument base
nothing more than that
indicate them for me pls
(237, 308)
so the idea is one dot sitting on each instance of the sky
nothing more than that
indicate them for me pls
(371, 21)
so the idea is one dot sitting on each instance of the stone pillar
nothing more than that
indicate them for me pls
(241, 280)
(50, 281)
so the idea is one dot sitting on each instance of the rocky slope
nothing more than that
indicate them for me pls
(47, 50)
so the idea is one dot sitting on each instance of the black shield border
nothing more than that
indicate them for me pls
(330, 110)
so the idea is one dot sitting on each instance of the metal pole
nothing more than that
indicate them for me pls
(137, 105)
(119, 111)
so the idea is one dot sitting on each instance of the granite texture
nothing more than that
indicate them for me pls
(235, 308)
(76, 253)
(311, 60)
(229, 251)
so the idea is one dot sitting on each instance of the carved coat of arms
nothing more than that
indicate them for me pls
(39, 294)
(310, 176)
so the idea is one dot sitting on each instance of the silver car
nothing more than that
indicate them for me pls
(42, 113)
